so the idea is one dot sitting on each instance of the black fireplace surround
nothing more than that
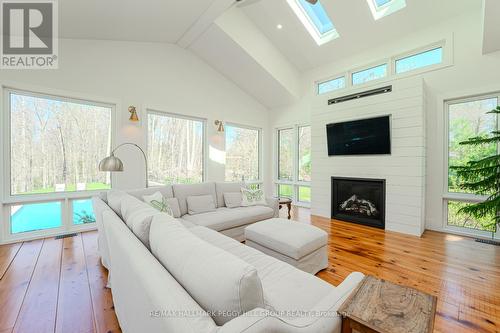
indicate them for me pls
(359, 200)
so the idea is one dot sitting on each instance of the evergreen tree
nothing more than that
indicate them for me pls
(482, 177)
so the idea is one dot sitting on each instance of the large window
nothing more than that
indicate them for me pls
(175, 149)
(304, 156)
(242, 153)
(56, 144)
(466, 119)
(294, 163)
(285, 154)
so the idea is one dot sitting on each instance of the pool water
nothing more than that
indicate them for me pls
(47, 215)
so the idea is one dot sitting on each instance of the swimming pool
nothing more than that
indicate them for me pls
(46, 215)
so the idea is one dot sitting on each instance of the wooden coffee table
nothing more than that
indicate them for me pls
(379, 306)
(288, 203)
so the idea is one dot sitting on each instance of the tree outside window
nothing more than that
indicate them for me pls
(242, 153)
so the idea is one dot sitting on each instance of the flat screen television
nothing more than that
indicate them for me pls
(360, 137)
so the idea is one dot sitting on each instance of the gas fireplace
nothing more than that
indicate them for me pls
(359, 200)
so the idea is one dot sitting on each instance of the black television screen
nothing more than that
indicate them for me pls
(360, 137)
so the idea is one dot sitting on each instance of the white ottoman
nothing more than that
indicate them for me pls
(301, 245)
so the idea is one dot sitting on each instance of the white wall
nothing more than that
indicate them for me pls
(159, 76)
(147, 75)
(403, 170)
(471, 73)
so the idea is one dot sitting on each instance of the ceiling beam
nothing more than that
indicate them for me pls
(251, 39)
(216, 9)
(491, 26)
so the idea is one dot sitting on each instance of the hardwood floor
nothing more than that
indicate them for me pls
(59, 285)
(54, 285)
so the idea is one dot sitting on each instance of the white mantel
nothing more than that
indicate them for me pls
(403, 170)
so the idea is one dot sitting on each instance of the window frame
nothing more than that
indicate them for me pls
(259, 181)
(447, 59)
(448, 196)
(387, 62)
(379, 12)
(446, 43)
(333, 78)
(311, 28)
(180, 116)
(414, 54)
(295, 183)
(65, 198)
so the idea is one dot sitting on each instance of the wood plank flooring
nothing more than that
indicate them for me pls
(59, 285)
(54, 285)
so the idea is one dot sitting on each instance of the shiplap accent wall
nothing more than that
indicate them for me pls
(404, 169)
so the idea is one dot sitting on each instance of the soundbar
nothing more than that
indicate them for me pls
(359, 95)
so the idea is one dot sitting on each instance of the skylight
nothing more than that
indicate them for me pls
(315, 20)
(382, 8)
(380, 3)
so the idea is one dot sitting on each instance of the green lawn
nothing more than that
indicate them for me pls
(463, 220)
(287, 191)
(305, 194)
(72, 188)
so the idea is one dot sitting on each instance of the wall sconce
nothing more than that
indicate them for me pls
(220, 126)
(133, 114)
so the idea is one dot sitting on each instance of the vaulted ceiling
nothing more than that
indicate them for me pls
(129, 20)
(244, 44)
(354, 22)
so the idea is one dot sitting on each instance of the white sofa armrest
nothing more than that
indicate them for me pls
(257, 320)
(275, 205)
(323, 317)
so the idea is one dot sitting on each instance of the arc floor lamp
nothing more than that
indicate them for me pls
(114, 164)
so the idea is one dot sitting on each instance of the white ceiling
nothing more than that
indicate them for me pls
(240, 67)
(131, 20)
(191, 25)
(354, 22)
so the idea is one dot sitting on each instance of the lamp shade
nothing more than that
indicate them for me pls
(111, 163)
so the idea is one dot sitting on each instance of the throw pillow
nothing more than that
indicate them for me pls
(174, 205)
(232, 199)
(157, 201)
(198, 204)
(252, 197)
(220, 282)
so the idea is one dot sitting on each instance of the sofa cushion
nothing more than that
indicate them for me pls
(157, 201)
(114, 200)
(165, 205)
(138, 216)
(228, 218)
(252, 197)
(165, 190)
(292, 239)
(286, 288)
(232, 199)
(182, 191)
(225, 187)
(174, 205)
(224, 285)
(198, 204)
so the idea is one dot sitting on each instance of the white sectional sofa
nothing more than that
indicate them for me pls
(177, 275)
(230, 222)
